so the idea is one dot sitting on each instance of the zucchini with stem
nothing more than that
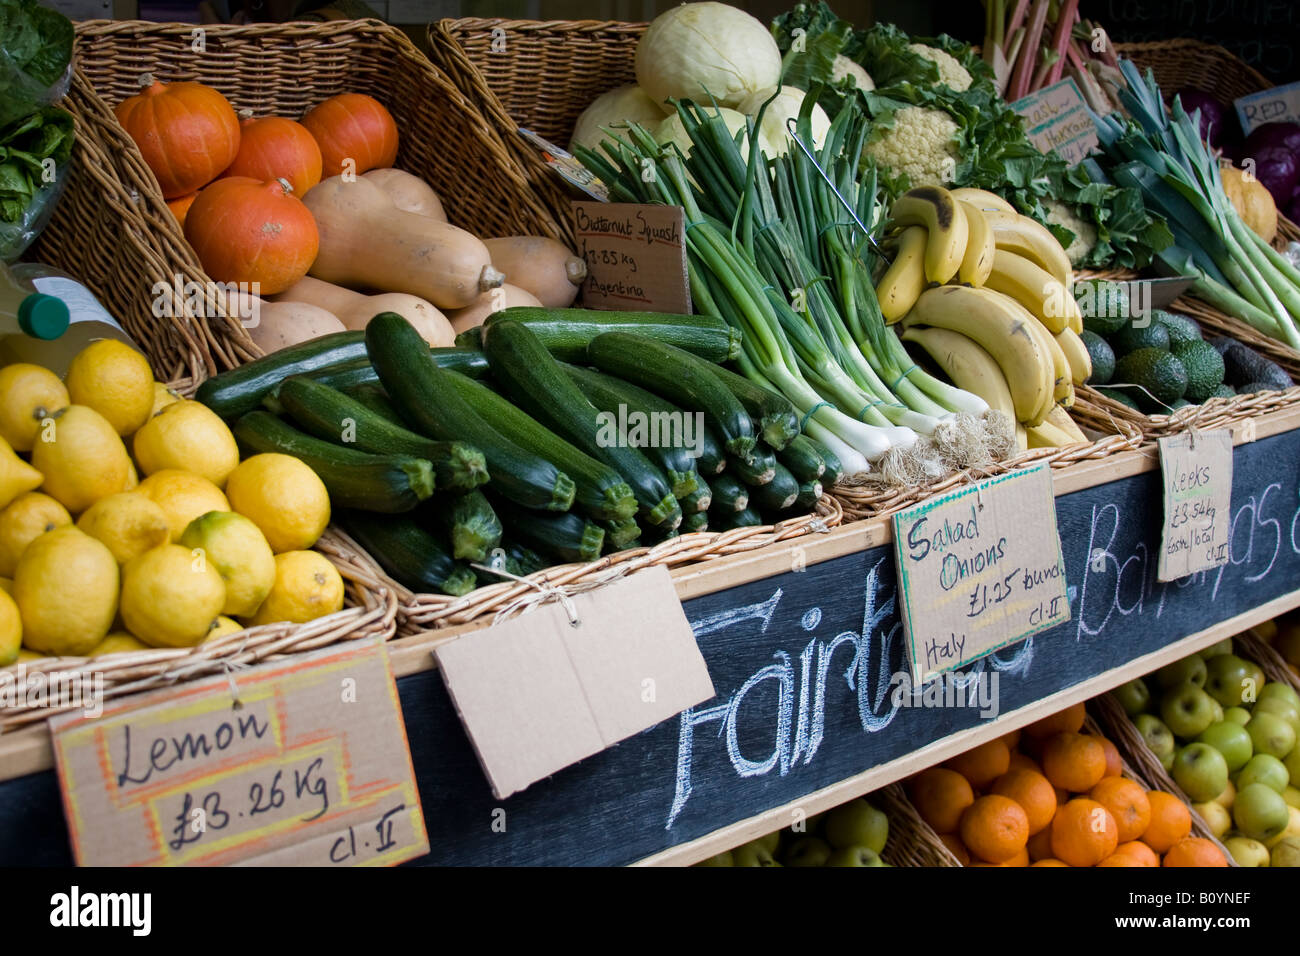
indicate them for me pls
(774, 414)
(728, 494)
(568, 537)
(408, 553)
(698, 500)
(803, 459)
(469, 521)
(566, 333)
(776, 495)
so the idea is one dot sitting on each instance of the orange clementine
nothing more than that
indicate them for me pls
(1195, 851)
(983, 764)
(1048, 861)
(1020, 859)
(955, 847)
(1034, 794)
(1040, 844)
(1127, 803)
(1069, 720)
(1083, 833)
(1062, 795)
(1074, 761)
(1011, 740)
(941, 796)
(1022, 761)
(1171, 820)
(1139, 851)
(1114, 765)
(1121, 859)
(994, 828)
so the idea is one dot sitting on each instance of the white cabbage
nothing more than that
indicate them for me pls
(615, 110)
(773, 132)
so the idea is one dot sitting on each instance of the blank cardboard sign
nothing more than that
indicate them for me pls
(538, 693)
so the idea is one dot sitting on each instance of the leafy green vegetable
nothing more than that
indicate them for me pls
(35, 50)
(24, 147)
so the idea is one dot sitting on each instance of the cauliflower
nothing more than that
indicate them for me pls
(843, 67)
(921, 144)
(951, 73)
(1085, 233)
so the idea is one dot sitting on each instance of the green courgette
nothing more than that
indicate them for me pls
(408, 553)
(354, 479)
(682, 378)
(698, 500)
(776, 495)
(712, 459)
(426, 396)
(599, 490)
(569, 537)
(698, 521)
(566, 333)
(376, 399)
(333, 416)
(670, 437)
(728, 494)
(809, 493)
(621, 533)
(803, 459)
(777, 418)
(758, 469)
(834, 469)
(349, 375)
(535, 382)
(726, 520)
(469, 520)
(240, 390)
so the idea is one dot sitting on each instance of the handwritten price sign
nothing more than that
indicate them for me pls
(635, 255)
(1197, 473)
(308, 765)
(979, 569)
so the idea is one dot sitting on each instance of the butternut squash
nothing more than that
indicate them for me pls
(355, 309)
(409, 193)
(542, 266)
(367, 242)
(276, 325)
(506, 297)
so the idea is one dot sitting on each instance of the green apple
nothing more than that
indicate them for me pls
(1270, 734)
(1217, 649)
(1187, 710)
(1260, 812)
(1167, 761)
(1257, 680)
(1285, 852)
(1238, 715)
(1265, 769)
(1159, 739)
(1291, 795)
(1225, 678)
(722, 859)
(1201, 771)
(754, 853)
(1276, 688)
(856, 823)
(1280, 706)
(1229, 795)
(1134, 697)
(1292, 828)
(1246, 852)
(1231, 740)
(807, 851)
(770, 840)
(1292, 763)
(855, 856)
(1215, 815)
(1190, 670)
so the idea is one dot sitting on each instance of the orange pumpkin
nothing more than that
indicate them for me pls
(181, 205)
(244, 230)
(356, 127)
(187, 133)
(277, 148)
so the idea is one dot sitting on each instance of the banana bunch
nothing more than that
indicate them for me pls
(987, 293)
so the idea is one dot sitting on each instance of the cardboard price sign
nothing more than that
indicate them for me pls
(635, 255)
(309, 767)
(1196, 469)
(1056, 118)
(979, 569)
(1281, 104)
(539, 692)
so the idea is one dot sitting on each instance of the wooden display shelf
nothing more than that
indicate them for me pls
(806, 637)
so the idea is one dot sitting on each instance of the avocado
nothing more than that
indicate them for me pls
(1118, 395)
(1247, 388)
(1181, 403)
(1104, 305)
(1102, 356)
(1131, 338)
(1161, 377)
(1223, 391)
(1181, 328)
(1204, 368)
(1243, 364)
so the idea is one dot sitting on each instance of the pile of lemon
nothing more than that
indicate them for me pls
(166, 545)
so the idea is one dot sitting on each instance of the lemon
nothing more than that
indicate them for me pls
(240, 554)
(162, 397)
(128, 522)
(170, 596)
(29, 395)
(16, 476)
(283, 497)
(115, 380)
(306, 587)
(132, 477)
(182, 497)
(66, 587)
(81, 457)
(25, 519)
(11, 630)
(26, 655)
(7, 585)
(222, 627)
(190, 436)
(118, 642)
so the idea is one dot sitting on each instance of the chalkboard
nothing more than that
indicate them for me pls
(803, 663)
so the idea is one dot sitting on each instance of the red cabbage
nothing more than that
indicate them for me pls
(1275, 149)
(1219, 126)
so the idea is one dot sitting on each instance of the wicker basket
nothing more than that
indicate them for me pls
(1181, 63)
(278, 69)
(912, 841)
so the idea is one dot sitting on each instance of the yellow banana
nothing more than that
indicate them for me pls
(1057, 369)
(1076, 353)
(1029, 238)
(983, 199)
(1034, 288)
(934, 208)
(1004, 330)
(1022, 437)
(967, 366)
(1048, 435)
(904, 280)
(977, 262)
(1059, 418)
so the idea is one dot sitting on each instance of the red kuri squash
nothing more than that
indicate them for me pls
(274, 147)
(187, 133)
(244, 230)
(180, 206)
(356, 127)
